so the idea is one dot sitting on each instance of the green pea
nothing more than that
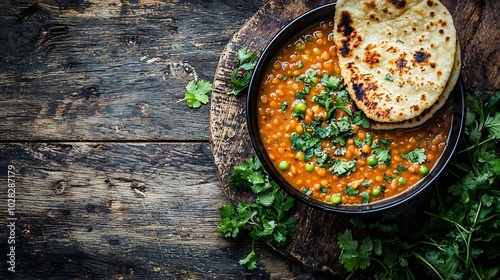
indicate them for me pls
(336, 199)
(300, 107)
(376, 191)
(309, 166)
(300, 155)
(424, 170)
(401, 181)
(284, 165)
(300, 46)
(314, 79)
(372, 161)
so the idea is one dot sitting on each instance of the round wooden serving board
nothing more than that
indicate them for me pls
(314, 241)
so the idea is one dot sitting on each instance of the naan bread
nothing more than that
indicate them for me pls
(428, 113)
(396, 56)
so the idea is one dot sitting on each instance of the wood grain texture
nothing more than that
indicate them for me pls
(110, 69)
(124, 211)
(314, 242)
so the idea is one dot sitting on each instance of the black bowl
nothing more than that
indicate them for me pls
(301, 23)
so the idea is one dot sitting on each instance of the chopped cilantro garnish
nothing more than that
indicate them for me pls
(388, 178)
(365, 197)
(307, 191)
(415, 156)
(284, 106)
(340, 151)
(383, 142)
(350, 191)
(383, 156)
(389, 77)
(360, 119)
(358, 142)
(343, 168)
(331, 83)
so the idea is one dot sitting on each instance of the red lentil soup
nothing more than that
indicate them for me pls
(322, 144)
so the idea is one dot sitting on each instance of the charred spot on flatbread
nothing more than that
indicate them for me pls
(351, 38)
(421, 56)
(399, 4)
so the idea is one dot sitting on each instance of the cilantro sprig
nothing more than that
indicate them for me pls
(197, 93)
(415, 156)
(266, 218)
(459, 235)
(242, 74)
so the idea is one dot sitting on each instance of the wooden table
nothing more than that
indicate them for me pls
(115, 179)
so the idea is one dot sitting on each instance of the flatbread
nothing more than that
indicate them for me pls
(396, 56)
(428, 113)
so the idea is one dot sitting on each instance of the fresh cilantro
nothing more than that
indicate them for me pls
(388, 178)
(388, 77)
(369, 138)
(242, 74)
(350, 191)
(310, 77)
(360, 119)
(384, 143)
(415, 156)
(358, 142)
(305, 142)
(267, 217)
(340, 151)
(383, 156)
(365, 197)
(344, 124)
(197, 93)
(459, 235)
(284, 106)
(357, 255)
(307, 191)
(331, 83)
(343, 168)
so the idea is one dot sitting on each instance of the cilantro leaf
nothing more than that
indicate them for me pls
(415, 156)
(250, 261)
(350, 191)
(383, 156)
(331, 83)
(197, 93)
(241, 75)
(343, 168)
(492, 124)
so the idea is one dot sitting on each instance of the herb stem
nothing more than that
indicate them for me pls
(475, 146)
(428, 264)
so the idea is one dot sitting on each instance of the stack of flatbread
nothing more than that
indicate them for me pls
(400, 59)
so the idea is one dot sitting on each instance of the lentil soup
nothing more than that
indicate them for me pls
(322, 144)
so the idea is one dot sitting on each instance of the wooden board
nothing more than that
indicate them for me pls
(314, 242)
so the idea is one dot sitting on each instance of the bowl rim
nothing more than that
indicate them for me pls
(281, 39)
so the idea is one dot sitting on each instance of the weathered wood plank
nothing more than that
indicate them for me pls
(231, 144)
(123, 211)
(109, 70)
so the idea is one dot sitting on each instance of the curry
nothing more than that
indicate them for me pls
(322, 144)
